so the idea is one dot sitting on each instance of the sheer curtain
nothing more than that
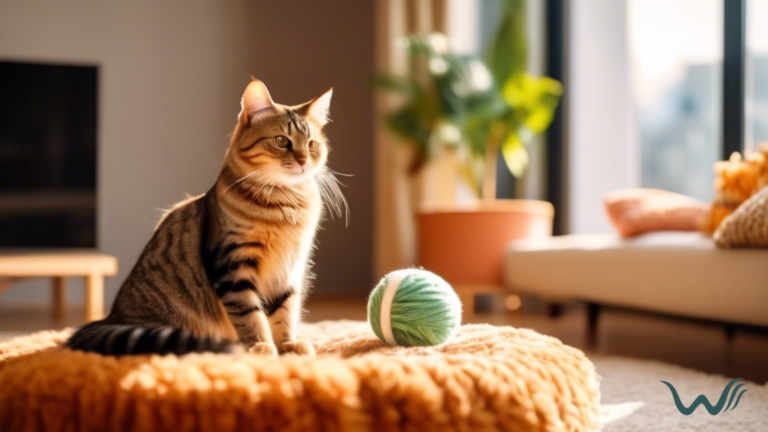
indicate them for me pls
(398, 193)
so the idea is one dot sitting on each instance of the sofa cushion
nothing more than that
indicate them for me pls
(670, 272)
(637, 211)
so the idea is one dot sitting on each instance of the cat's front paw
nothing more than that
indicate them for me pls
(299, 347)
(263, 348)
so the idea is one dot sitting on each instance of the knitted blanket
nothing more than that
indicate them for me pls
(487, 379)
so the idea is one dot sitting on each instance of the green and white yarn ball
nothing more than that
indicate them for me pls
(414, 307)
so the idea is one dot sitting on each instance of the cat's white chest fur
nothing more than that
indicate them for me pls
(287, 252)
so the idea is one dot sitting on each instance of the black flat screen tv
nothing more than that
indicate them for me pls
(48, 130)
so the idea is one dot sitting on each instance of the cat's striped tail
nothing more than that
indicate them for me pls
(117, 340)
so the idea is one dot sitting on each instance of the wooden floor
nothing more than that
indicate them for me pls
(697, 346)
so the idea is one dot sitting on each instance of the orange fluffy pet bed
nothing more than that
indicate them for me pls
(488, 378)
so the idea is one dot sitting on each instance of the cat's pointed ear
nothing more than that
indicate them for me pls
(319, 108)
(256, 100)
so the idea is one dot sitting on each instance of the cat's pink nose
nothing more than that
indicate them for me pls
(301, 160)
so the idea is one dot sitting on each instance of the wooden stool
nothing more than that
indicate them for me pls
(94, 267)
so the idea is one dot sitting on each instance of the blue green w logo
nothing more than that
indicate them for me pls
(702, 400)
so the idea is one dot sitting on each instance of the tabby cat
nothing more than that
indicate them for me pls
(230, 268)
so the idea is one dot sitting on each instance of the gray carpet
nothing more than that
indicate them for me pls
(635, 399)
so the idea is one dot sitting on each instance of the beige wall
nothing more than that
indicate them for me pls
(171, 74)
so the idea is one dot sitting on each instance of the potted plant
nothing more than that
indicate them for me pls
(474, 110)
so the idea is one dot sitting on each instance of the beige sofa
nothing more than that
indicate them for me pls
(675, 273)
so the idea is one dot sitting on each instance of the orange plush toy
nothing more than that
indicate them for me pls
(736, 180)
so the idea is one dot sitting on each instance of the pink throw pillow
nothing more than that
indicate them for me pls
(637, 211)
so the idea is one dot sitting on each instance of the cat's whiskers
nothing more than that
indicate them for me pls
(331, 193)
(258, 171)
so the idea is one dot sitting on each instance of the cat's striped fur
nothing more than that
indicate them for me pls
(232, 265)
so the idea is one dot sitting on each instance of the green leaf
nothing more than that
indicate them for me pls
(406, 124)
(539, 120)
(515, 155)
(516, 90)
(508, 53)
(533, 99)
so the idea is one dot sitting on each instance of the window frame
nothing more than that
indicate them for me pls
(556, 136)
(734, 77)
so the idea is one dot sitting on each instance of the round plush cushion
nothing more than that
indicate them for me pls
(747, 226)
(487, 378)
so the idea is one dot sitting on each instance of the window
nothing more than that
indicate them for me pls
(756, 74)
(657, 91)
(676, 57)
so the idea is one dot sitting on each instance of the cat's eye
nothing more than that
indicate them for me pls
(313, 145)
(281, 141)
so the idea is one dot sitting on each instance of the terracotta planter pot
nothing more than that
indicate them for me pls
(465, 244)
